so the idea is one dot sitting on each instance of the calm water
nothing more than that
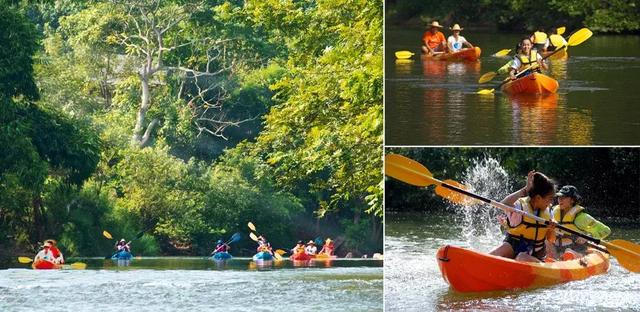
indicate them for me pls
(434, 102)
(195, 284)
(413, 281)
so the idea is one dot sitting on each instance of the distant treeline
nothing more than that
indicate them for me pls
(617, 16)
(607, 178)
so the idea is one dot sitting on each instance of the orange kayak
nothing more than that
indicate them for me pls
(471, 271)
(531, 84)
(468, 54)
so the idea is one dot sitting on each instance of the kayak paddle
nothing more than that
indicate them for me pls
(402, 55)
(501, 53)
(560, 30)
(107, 234)
(75, 265)
(234, 238)
(138, 236)
(255, 239)
(577, 38)
(412, 172)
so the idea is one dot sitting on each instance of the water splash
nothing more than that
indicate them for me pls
(480, 226)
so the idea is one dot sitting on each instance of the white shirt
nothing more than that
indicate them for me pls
(456, 45)
(46, 254)
(311, 250)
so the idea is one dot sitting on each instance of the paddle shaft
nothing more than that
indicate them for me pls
(530, 67)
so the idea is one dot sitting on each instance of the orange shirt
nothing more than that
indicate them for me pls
(433, 40)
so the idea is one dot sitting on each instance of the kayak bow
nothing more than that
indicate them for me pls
(534, 83)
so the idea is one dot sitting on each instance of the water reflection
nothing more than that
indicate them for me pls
(404, 67)
(534, 118)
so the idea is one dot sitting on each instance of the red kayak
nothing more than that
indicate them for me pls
(472, 271)
(300, 257)
(534, 83)
(468, 54)
(45, 265)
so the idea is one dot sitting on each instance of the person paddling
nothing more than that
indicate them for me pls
(524, 58)
(525, 240)
(433, 41)
(571, 214)
(122, 246)
(221, 246)
(50, 253)
(311, 248)
(328, 247)
(540, 40)
(264, 246)
(298, 249)
(455, 41)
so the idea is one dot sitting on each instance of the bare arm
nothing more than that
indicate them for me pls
(511, 198)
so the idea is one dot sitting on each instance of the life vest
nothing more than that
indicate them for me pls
(298, 250)
(221, 248)
(539, 37)
(563, 239)
(529, 229)
(526, 61)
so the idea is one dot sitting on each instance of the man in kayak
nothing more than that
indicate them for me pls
(327, 248)
(49, 252)
(221, 246)
(123, 246)
(524, 58)
(311, 248)
(299, 248)
(455, 41)
(433, 41)
(525, 240)
(569, 213)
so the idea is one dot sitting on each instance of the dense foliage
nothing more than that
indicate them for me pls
(607, 178)
(616, 16)
(188, 120)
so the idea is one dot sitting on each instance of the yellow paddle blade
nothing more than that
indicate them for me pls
(251, 226)
(404, 54)
(501, 53)
(557, 41)
(487, 77)
(454, 196)
(24, 260)
(107, 234)
(486, 91)
(407, 170)
(280, 252)
(627, 253)
(579, 37)
(253, 237)
(78, 266)
(560, 30)
(277, 256)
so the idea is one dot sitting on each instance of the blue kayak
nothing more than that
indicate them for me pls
(223, 255)
(122, 255)
(263, 256)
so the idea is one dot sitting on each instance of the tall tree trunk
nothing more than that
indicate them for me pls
(139, 139)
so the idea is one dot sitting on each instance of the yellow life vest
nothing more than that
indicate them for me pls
(539, 37)
(529, 228)
(567, 220)
(526, 61)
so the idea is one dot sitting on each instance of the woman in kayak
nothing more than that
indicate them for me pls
(525, 240)
(455, 41)
(49, 253)
(311, 248)
(433, 41)
(327, 248)
(299, 248)
(263, 245)
(123, 246)
(524, 58)
(221, 246)
(570, 214)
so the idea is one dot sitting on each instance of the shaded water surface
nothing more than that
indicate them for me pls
(195, 284)
(413, 281)
(435, 102)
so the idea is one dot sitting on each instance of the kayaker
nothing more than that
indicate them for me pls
(540, 40)
(328, 247)
(563, 42)
(525, 57)
(525, 240)
(49, 252)
(455, 41)
(433, 41)
(221, 246)
(122, 245)
(299, 248)
(311, 248)
(571, 214)
(263, 245)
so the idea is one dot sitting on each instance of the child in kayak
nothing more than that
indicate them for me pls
(433, 41)
(49, 253)
(123, 246)
(221, 246)
(525, 240)
(299, 248)
(311, 248)
(455, 41)
(570, 214)
(263, 245)
(524, 58)
(327, 248)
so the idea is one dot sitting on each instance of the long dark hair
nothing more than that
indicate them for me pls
(542, 185)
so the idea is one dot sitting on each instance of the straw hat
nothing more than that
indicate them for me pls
(435, 24)
(456, 27)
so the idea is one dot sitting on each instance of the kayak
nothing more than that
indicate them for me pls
(468, 54)
(534, 83)
(122, 255)
(323, 257)
(45, 265)
(558, 56)
(471, 271)
(263, 255)
(300, 257)
(223, 255)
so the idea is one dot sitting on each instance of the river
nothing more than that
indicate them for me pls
(435, 102)
(195, 284)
